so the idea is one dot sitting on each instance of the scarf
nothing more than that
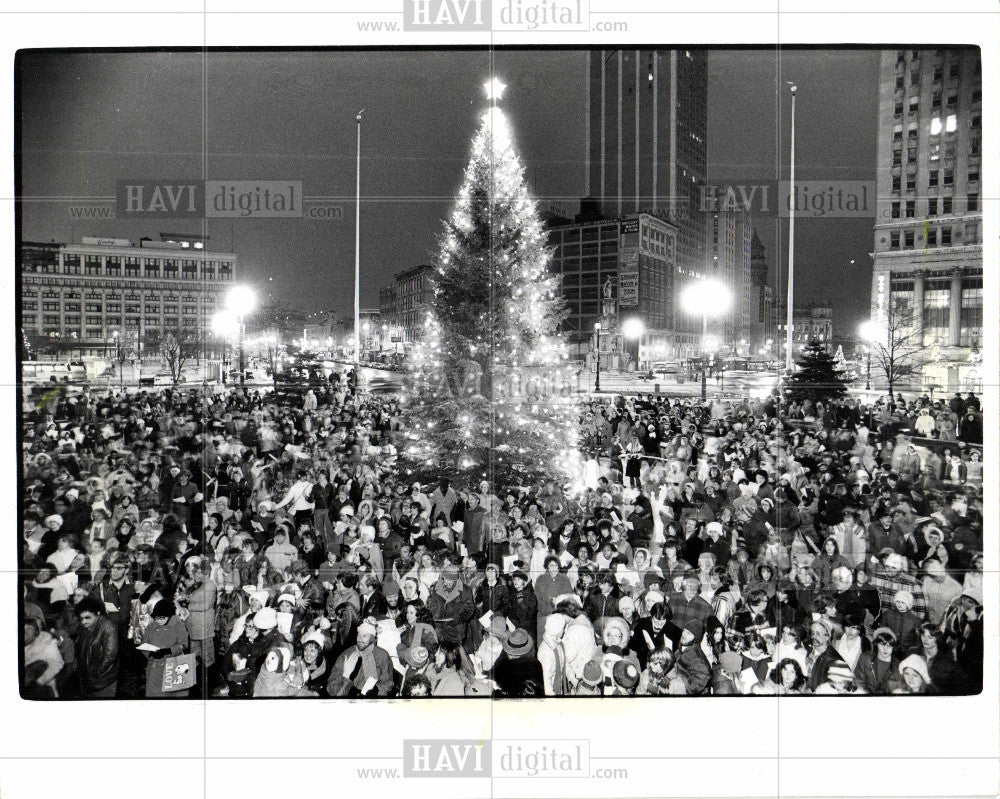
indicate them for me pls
(446, 595)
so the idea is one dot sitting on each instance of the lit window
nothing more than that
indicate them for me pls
(935, 126)
(951, 124)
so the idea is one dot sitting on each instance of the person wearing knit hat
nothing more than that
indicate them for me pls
(903, 600)
(726, 679)
(591, 680)
(625, 674)
(364, 669)
(915, 675)
(839, 680)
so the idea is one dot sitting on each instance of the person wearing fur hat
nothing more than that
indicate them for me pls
(281, 554)
(891, 577)
(365, 668)
(517, 671)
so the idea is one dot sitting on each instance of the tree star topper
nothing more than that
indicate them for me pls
(494, 89)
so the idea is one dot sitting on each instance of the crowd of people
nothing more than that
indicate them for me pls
(740, 547)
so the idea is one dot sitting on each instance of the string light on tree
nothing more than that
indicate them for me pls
(487, 365)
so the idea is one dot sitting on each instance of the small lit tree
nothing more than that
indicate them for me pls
(817, 378)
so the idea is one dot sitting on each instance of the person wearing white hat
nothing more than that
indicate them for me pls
(916, 679)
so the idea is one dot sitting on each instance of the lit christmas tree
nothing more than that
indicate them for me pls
(490, 393)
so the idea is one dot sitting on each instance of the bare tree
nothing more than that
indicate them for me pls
(177, 346)
(126, 347)
(896, 350)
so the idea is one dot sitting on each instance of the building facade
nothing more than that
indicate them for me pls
(762, 317)
(611, 270)
(813, 322)
(81, 297)
(928, 255)
(646, 139)
(414, 291)
(730, 235)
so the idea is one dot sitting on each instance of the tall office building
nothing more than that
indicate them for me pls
(928, 254)
(647, 123)
(730, 235)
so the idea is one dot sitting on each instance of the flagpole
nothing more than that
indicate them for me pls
(357, 251)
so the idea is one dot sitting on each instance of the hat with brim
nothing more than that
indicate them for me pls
(518, 643)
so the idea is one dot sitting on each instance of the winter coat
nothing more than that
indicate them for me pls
(97, 655)
(451, 611)
(201, 611)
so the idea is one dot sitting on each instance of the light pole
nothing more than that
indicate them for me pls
(789, 301)
(597, 352)
(870, 332)
(241, 302)
(706, 297)
(357, 250)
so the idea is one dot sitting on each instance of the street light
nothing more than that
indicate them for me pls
(241, 301)
(597, 350)
(870, 332)
(633, 329)
(706, 297)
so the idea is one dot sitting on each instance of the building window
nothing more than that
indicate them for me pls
(951, 123)
(911, 182)
(113, 266)
(971, 324)
(936, 100)
(911, 154)
(972, 202)
(932, 178)
(932, 206)
(898, 109)
(932, 237)
(936, 126)
(946, 205)
(895, 210)
(911, 209)
(907, 239)
(974, 176)
(897, 157)
(894, 240)
(945, 236)
(955, 69)
(949, 177)
(937, 312)
(896, 182)
(94, 307)
(93, 320)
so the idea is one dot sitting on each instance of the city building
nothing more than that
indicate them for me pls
(763, 331)
(646, 139)
(730, 235)
(616, 269)
(414, 291)
(811, 322)
(80, 298)
(928, 254)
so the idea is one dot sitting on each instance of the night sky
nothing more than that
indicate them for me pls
(89, 120)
